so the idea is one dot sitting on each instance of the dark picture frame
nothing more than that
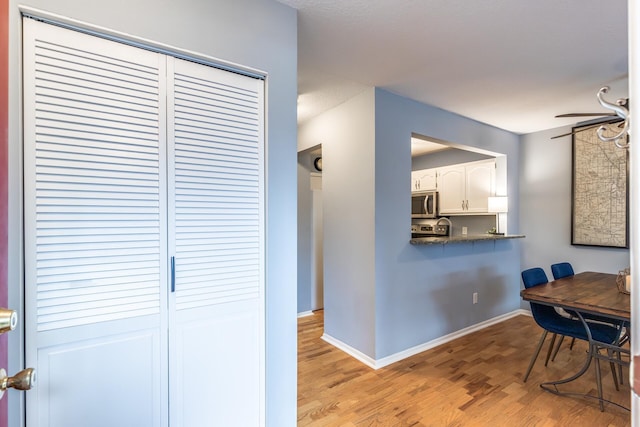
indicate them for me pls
(599, 190)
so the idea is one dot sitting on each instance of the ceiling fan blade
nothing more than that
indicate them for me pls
(585, 115)
(606, 122)
(560, 136)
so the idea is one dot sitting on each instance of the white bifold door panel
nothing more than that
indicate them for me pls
(215, 199)
(144, 241)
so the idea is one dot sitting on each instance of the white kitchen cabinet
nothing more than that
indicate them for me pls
(451, 192)
(465, 188)
(480, 184)
(424, 179)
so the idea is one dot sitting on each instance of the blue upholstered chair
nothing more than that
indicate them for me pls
(534, 277)
(561, 269)
(550, 321)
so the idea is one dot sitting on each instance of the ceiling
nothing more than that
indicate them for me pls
(511, 64)
(421, 146)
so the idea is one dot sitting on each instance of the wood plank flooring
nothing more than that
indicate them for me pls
(475, 380)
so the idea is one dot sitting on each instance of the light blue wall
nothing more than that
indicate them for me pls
(305, 231)
(545, 209)
(256, 33)
(348, 149)
(383, 295)
(425, 292)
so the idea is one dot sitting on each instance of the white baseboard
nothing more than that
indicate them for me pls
(525, 312)
(305, 313)
(385, 361)
(350, 351)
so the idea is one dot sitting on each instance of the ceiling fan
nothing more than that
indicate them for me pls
(618, 117)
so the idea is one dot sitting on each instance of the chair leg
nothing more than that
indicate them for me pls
(535, 354)
(623, 341)
(621, 377)
(613, 370)
(598, 377)
(573, 340)
(555, 351)
(553, 340)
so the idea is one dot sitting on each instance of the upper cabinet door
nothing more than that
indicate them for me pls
(480, 179)
(424, 179)
(451, 189)
(427, 179)
(415, 181)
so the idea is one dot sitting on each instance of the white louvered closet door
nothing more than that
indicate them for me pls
(144, 245)
(95, 245)
(215, 208)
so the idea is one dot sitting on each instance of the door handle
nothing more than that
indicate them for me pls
(173, 274)
(23, 380)
(8, 320)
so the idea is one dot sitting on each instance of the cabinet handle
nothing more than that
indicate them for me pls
(467, 205)
(463, 205)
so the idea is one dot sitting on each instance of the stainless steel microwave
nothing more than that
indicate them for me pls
(424, 204)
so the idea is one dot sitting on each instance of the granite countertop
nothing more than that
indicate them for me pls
(462, 239)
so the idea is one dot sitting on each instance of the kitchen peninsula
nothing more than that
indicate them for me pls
(443, 240)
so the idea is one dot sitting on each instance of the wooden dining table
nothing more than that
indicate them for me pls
(593, 293)
(587, 292)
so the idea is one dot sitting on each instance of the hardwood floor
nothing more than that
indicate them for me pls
(475, 380)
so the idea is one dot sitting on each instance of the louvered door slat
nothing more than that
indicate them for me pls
(218, 170)
(67, 117)
(97, 185)
(124, 110)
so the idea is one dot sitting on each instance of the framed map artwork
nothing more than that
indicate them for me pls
(600, 196)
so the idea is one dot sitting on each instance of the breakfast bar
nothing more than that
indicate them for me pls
(443, 240)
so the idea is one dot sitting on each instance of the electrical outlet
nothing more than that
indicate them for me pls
(475, 297)
(464, 230)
